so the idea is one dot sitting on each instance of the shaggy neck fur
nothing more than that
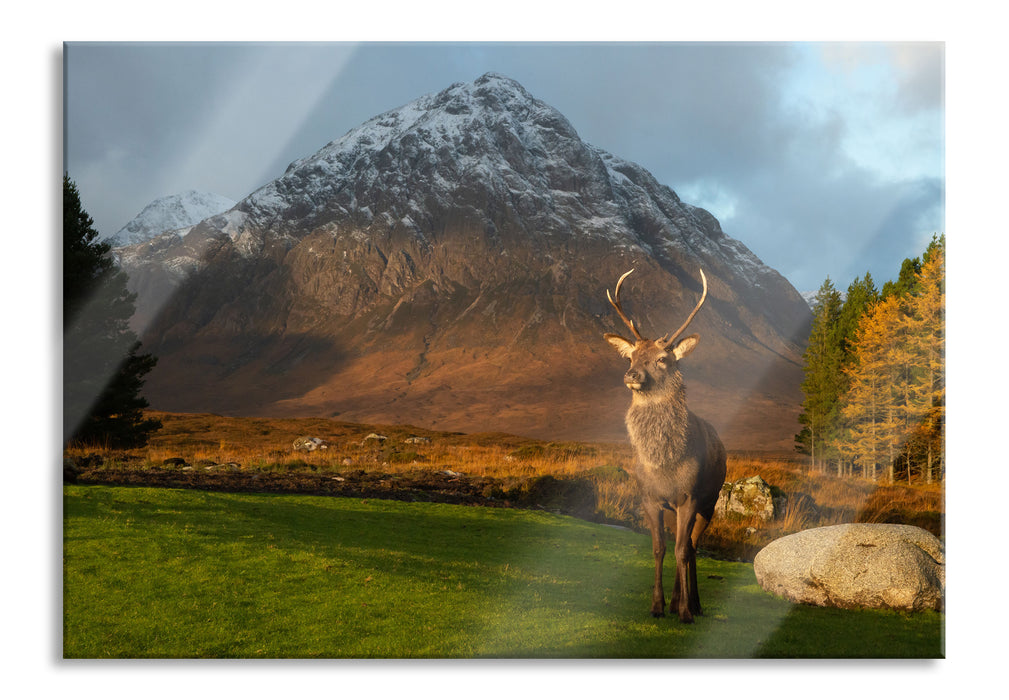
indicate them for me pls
(657, 423)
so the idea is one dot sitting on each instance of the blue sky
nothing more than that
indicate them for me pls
(823, 158)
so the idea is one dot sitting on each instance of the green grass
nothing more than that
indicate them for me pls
(170, 573)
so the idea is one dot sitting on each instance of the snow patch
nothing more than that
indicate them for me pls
(172, 213)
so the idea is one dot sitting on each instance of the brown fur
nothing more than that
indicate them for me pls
(680, 464)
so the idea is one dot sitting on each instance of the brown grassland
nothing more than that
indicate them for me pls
(494, 469)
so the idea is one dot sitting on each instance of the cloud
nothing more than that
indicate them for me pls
(805, 152)
(833, 179)
(920, 69)
(913, 69)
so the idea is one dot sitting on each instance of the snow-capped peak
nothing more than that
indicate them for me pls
(490, 140)
(177, 211)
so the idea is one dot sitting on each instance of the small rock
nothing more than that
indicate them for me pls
(449, 472)
(748, 497)
(375, 436)
(310, 444)
(174, 462)
(417, 440)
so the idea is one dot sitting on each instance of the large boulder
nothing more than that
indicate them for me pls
(748, 497)
(856, 565)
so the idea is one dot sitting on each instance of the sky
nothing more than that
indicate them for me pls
(825, 159)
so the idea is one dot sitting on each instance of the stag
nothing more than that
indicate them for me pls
(680, 461)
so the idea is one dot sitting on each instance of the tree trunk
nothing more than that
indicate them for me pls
(928, 465)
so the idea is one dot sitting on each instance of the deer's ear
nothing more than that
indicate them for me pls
(685, 346)
(623, 346)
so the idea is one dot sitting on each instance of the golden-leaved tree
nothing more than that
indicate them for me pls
(929, 309)
(869, 429)
(893, 413)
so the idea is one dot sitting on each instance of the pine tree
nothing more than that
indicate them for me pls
(906, 280)
(867, 406)
(102, 370)
(907, 357)
(822, 382)
(928, 305)
(861, 295)
(893, 411)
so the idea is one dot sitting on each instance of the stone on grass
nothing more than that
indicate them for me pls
(310, 444)
(858, 565)
(748, 497)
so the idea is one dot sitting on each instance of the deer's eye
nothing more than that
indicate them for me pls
(661, 362)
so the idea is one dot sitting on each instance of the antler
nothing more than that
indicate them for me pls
(615, 301)
(704, 292)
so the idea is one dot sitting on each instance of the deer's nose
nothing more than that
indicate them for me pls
(634, 376)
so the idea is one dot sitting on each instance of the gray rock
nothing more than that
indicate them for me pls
(748, 497)
(856, 565)
(417, 440)
(310, 444)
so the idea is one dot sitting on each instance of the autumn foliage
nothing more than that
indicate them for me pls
(875, 391)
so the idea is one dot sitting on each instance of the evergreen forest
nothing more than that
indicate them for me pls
(874, 385)
(103, 368)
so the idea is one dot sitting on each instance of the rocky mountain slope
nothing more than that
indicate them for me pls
(445, 264)
(177, 212)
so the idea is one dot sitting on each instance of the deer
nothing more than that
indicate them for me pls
(679, 459)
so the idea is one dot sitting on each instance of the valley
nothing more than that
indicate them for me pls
(592, 481)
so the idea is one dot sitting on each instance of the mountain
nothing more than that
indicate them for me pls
(177, 212)
(445, 264)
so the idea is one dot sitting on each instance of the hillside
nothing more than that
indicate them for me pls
(445, 265)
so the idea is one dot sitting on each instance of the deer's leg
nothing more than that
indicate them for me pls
(674, 603)
(700, 525)
(653, 516)
(686, 577)
(693, 599)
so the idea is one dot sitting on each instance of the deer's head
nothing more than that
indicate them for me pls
(654, 363)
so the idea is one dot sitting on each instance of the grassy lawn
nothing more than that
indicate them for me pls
(170, 573)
